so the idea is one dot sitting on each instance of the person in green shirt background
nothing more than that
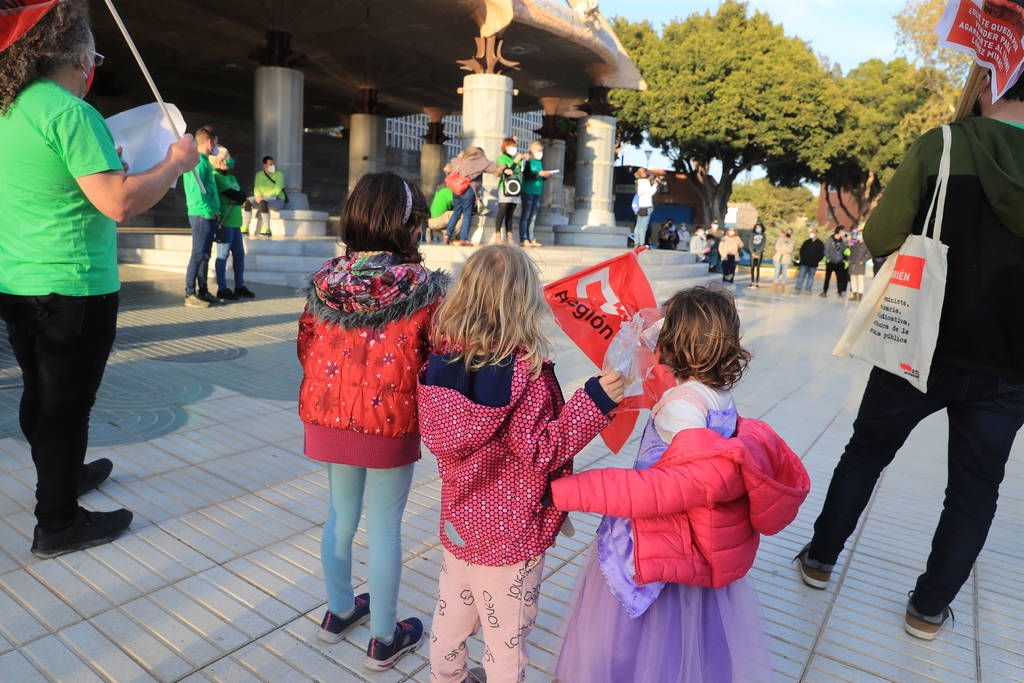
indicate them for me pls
(440, 211)
(507, 203)
(268, 193)
(63, 189)
(534, 176)
(231, 200)
(203, 214)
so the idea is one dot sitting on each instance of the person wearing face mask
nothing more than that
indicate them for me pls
(512, 164)
(729, 250)
(699, 245)
(782, 256)
(812, 251)
(268, 193)
(758, 242)
(645, 191)
(859, 257)
(203, 213)
(63, 188)
(534, 176)
(231, 200)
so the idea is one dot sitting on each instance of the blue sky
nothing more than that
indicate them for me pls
(846, 31)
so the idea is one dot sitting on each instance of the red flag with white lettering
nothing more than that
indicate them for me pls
(592, 308)
(991, 31)
(17, 17)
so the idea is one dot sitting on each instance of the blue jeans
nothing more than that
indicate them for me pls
(531, 205)
(236, 247)
(386, 494)
(640, 231)
(985, 412)
(782, 272)
(462, 207)
(199, 262)
(805, 280)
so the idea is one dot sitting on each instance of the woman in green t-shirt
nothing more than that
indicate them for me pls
(62, 187)
(231, 200)
(507, 202)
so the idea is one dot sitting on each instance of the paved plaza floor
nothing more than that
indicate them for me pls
(220, 579)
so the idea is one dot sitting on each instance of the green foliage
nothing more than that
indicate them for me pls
(728, 87)
(777, 206)
(916, 35)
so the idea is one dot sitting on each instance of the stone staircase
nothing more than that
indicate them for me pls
(288, 262)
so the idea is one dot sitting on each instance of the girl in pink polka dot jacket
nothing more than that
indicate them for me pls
(492, 412)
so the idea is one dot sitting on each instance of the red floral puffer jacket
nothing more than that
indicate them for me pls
(362, 340)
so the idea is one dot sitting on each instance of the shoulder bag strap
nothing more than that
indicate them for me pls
(938, 205)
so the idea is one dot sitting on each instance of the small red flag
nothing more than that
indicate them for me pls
(17, 17)
(592, 307)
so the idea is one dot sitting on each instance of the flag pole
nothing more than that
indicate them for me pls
(149, 80)
(971, 92)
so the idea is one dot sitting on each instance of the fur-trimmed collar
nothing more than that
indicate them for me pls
(433, 289)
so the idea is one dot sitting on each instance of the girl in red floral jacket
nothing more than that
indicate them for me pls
(492, 412)
(362, 339)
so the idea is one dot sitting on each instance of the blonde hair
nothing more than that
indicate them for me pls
(495, 311)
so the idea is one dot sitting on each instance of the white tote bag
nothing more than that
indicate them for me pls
(896, 326)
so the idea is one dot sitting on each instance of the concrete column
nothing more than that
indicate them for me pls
(595, 159)
(367, 146)
(486, 121)
(433, 155)
(278, 125)
(551, 211)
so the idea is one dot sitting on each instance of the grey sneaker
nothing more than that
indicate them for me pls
(813, 573)
(477, 675)
(193, 301)
(923, 626)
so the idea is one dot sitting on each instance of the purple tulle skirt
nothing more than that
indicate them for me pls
(689, 635)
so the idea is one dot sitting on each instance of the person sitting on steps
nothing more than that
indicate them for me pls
(268, 193)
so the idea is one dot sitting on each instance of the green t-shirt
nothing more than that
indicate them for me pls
(442, 202)
(230, 212)
(271, 187)
(52, 239)
(199, 204)
(533, 183)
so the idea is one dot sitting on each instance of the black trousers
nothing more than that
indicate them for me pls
(755, 269)
(62, 344)
(985, 412)
(729, 268)
(842, 276)
(506, 212)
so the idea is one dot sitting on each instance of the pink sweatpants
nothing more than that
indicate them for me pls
(501, 599)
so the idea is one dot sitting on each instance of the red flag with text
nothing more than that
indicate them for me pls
(592, 308)
(17, 17)
(991, 31)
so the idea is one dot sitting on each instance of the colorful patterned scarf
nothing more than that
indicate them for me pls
(367, 281)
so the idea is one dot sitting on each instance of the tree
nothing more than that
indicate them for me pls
(730, 88)
(776, 206)
(871, 138)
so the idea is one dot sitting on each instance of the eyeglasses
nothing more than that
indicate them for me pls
(98, 59)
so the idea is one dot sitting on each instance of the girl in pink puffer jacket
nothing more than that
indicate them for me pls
(663, 597)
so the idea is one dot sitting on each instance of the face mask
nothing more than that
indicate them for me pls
(512, 151)
(538, 155)
(272, 169)
(814, 235)
(231, 163)
(89, 77)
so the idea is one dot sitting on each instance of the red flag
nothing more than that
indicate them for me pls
(991, 31)
(17, 17)
(591, 307)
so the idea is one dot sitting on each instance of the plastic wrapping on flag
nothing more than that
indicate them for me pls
(17, 17)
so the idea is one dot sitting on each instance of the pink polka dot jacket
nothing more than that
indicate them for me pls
(496, 458)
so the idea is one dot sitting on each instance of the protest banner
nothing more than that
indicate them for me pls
(606, 310)
(992, 32)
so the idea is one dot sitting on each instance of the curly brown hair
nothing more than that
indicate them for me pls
(57, 40)
(700, 338)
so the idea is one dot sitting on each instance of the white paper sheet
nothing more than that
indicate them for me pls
(144, 135)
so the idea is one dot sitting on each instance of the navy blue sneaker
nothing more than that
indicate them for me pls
(333, 628)
(381, 656)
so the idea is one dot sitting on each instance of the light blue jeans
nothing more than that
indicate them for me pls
(386, 494)
(640, 230)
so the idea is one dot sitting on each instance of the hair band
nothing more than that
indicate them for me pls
(408, 203)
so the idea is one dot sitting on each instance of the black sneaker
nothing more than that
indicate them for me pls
(208, 298)
(244, 293)
(332, 628)
(924, 626)
(94, 474)
(813, 573)
(88, 530)
(226, 295)
(381, 656)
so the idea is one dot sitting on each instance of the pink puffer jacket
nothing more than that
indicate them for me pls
(698, 512)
